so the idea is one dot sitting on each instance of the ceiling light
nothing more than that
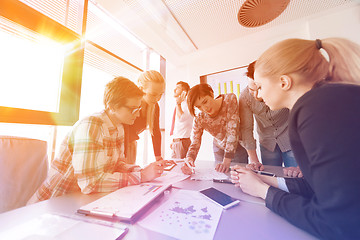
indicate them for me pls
(255, 13)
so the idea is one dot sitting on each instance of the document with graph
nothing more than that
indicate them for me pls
(125, 204)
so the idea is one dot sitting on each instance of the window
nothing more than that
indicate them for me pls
(43, 61)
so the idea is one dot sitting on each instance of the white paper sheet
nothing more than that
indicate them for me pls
(51, 226)
(207, 174)
(185, 215)
(170, 177)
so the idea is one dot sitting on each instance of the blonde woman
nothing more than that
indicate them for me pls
(324, 131)
(152, 84)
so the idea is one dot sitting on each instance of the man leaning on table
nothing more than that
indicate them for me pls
(272, 128)
(91, 157)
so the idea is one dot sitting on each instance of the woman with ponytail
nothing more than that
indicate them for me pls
(319, 82)
(152, 84)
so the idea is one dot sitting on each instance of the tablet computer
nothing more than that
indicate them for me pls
(220, 198)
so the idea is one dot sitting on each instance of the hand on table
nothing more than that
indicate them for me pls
(255, 166)
(152, 171)
(293, 172)
(248, 181)
(223, 167)
(185, 168)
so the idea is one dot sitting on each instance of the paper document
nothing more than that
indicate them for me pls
(171, 177)
(125, 203)
(52, 226)
(207, 174)
(185, 215)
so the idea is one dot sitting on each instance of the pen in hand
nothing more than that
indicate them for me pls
(264, 173)
(189, 165)
(259, 172)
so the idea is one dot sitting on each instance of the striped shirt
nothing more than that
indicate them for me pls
(224, 127)
(272, 126)
(91, 160)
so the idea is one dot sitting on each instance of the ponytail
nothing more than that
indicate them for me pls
(344, 60)
(304, 57)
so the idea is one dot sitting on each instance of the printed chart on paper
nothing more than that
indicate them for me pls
(185, 215)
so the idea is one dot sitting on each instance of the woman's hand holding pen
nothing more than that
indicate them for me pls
(188, 166)
(152, 171)
(248, 181)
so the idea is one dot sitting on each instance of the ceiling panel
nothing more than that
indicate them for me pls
(186, 26)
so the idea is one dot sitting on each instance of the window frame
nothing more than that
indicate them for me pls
(69, 104)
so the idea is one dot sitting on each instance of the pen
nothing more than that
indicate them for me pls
(222, 180)
(188, 164)
(261, 173)
(265, 173)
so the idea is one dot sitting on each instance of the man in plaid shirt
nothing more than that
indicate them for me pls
(92, 156)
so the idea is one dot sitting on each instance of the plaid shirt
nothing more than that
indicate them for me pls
(91, 160)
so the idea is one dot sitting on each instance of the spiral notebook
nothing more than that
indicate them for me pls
(125, 204)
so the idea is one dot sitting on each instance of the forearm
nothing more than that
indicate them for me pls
(107, 182)
(271, 181)
(179, 111)
(253, 156)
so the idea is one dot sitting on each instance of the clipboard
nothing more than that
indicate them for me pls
(125, 204)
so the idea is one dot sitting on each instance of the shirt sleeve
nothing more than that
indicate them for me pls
(232, 127)
(91, 162)
(156, 138)
(246, 121)
(282, 184)
(197, 133)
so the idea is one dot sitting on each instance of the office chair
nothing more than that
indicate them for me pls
(23, 167)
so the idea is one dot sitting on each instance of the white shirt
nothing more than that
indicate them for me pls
(183, 125)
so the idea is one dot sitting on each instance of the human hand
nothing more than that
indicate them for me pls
(293, 172)
(224, 166)
(185, 168)
(152, 171)
(158, 158)
(178, 100)
(249, 182)
(255, 166)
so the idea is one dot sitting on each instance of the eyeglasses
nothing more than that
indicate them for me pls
(134, 110)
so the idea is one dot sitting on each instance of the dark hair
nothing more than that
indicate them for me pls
(196, 92)
(118, 90)
(184, 86)
(251, 70)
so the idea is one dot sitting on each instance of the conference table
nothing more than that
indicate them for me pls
(249, 220)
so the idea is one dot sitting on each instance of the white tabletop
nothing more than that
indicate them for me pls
(249, 220)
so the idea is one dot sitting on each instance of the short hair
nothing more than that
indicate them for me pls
(118, 90)
(196, 92)
(304, 58)
(184, 86)
(251, 70)
(149, 77)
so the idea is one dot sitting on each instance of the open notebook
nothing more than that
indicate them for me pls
(125, 204)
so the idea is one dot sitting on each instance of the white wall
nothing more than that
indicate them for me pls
(343, 22)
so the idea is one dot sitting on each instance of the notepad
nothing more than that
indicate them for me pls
(125, 204)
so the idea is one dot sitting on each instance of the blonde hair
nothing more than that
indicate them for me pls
(118, 90)
(144, 80)
(303, 57)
